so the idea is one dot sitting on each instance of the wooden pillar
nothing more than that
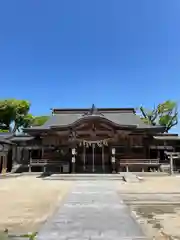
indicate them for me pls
(14, 155)
(84, 157)
(42, 152)
(103, 167)
(4, 164)
(147, 148)
(30, 160)
(1, 158)
(42, 156)
(93, 146)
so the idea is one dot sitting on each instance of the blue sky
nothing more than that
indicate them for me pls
(72, 53)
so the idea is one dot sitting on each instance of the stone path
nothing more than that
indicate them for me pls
(92, 211)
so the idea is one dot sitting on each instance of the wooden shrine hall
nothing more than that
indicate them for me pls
(95, 140)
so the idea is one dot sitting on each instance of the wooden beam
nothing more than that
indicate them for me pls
(107, 126)
(4, 164)
(88, 132)
(123, 132)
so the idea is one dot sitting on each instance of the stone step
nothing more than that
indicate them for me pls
(84, 177)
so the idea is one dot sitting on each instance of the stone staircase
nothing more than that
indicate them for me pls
(85, 177)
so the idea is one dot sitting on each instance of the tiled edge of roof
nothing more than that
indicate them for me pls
(166, 137)
(82, 110)
(22, 138)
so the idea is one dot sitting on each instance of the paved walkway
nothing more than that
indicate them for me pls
(92, 211)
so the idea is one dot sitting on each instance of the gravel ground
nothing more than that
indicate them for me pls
(26, 202)
(155, 202)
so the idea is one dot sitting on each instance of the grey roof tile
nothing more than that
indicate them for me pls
(62, 119)
(126, 118)
(121, 118)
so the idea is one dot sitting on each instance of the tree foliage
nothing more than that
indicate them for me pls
(12, 111)
(40, 120)
(165, 114)
(14, 115)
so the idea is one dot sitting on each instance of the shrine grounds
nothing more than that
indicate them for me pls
(155, 203)
(27, 202)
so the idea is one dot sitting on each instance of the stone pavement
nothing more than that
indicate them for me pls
(92, 211)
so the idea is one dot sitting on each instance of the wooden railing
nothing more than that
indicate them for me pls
(139, 161)
(43, 162)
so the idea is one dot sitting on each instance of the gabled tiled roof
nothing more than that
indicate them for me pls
(118, 117)
(4, 138)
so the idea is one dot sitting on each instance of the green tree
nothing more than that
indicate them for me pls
(165, 114)
(24, 121)
(39, 120)
(13, 114)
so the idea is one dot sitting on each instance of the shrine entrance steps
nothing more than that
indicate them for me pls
(85, 177)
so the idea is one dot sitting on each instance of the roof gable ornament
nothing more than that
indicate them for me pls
(93, 112)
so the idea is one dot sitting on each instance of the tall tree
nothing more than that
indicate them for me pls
(165, 114)
(12, 113)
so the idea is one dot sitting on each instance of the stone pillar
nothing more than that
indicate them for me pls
(171, 164)
(73, 160)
